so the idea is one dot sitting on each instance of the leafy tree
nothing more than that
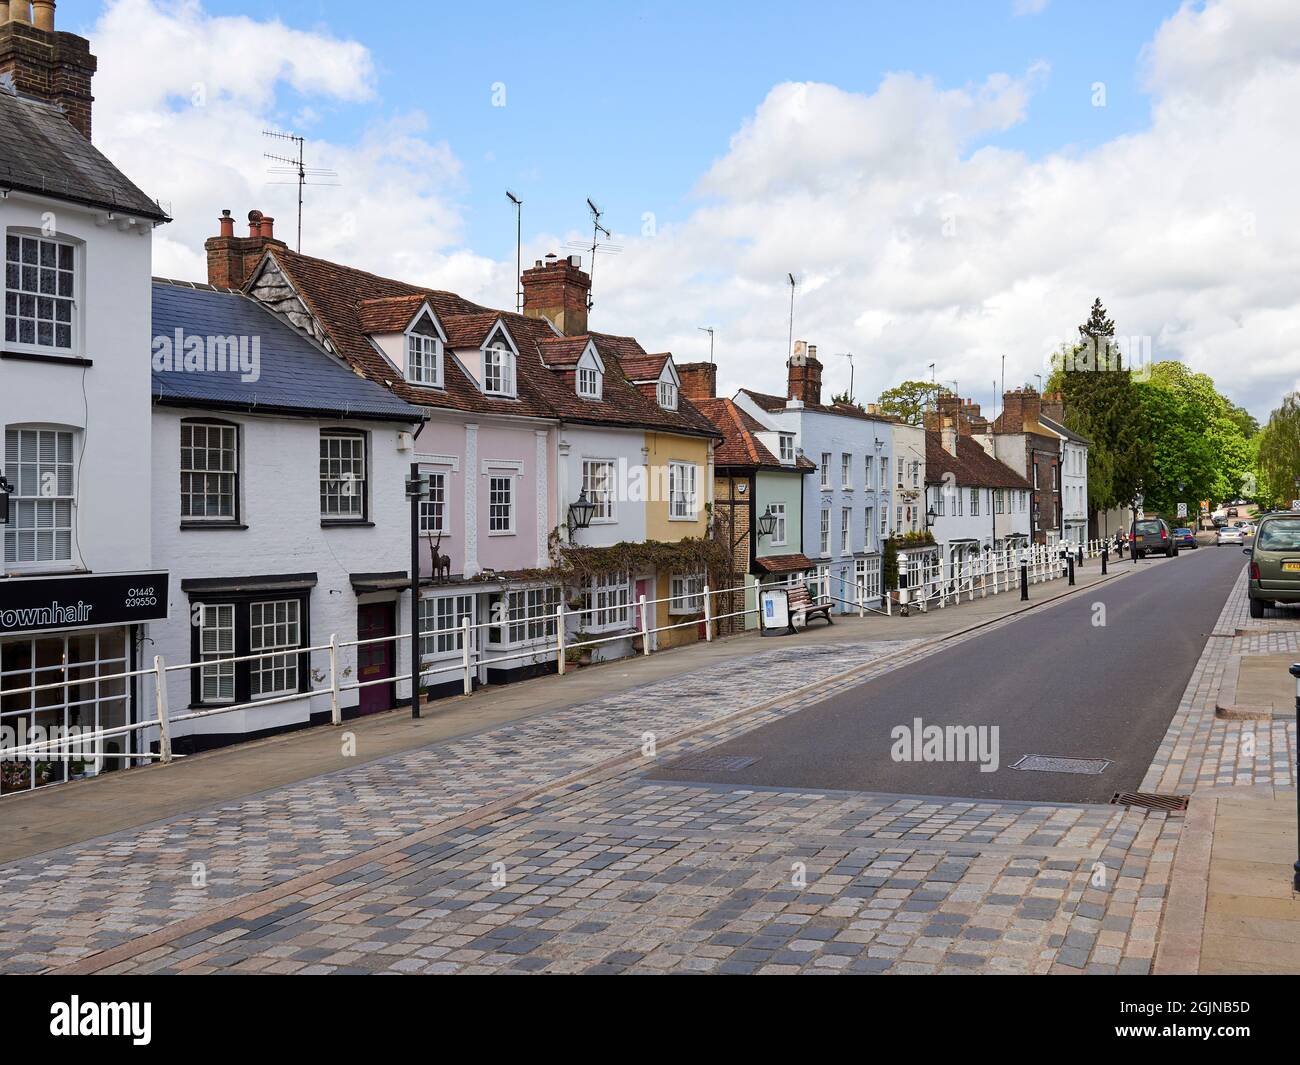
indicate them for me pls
(909, 400)
(1279, 451)
(843, 400)
(1101, 403)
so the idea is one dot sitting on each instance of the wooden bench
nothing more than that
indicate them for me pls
(802, 603)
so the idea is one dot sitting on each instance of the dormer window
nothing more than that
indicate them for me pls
(423, 359)
(590, 375)
(667, 395)
(787, 447)
(424, 343)
(498, 370)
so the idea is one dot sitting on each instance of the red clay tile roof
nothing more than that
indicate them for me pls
(336, 295)
(784, 563)
(389, 314)
(469, 330)
(971, 466)
(644, 367)
(740, 447)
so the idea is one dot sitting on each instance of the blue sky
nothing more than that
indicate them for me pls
(937, 175)
(631, 102)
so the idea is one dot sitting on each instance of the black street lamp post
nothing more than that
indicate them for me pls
(417, 488)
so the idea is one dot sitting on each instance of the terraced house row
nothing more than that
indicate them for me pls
(213, 471)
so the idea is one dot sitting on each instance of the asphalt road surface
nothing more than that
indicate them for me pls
(1053, 683)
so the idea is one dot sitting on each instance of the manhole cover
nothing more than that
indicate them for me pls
(1042, 763)
(1149, 800)
(711, 763)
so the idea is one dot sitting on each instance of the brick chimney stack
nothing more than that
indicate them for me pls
(1053, 406)
(804, 379)
(558, 290)
(232, 259)
(47, 64)
(1018, 407)
(699, 379)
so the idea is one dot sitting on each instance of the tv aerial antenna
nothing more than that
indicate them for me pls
(293, 166)
(597, 232)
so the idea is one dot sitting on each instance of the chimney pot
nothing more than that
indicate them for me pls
(268, 226)
(227, 224)
(804, 374)
(254, 223)
(20, 11)
(43, 15)
(557, 290)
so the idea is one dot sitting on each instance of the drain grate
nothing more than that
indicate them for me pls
(1042, 763)
(712, 763)
(1149, 800)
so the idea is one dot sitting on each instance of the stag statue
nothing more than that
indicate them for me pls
(441, 563)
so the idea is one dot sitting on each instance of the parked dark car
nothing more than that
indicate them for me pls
(1152, 536)
(1275, 562)
(1186, 538)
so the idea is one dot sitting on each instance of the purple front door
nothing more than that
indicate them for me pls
(375, 660)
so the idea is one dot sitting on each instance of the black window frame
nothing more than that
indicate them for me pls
(242, 603)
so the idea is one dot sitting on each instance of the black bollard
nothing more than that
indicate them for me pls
(1295, 672)
(1071, 573)
(1024, 580)
(1105, 557)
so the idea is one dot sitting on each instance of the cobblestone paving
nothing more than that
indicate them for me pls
(633, 874)
(642, 876)
(67, 903)
(1200, 750)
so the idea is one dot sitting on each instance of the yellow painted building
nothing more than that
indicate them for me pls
(681, 472)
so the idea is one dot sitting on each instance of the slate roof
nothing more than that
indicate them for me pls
(295, 375)
(740, 446)
(1063, 430)
(339, 297)
(42, 152)
(972, 466)
(772, 404)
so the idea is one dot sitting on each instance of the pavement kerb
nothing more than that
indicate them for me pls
(492, 811)
(1182, 927)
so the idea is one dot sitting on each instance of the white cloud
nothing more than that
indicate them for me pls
(916, 238)
(187, 126)
(913, 246)
(1028, 7)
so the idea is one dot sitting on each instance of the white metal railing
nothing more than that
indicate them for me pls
(942, 580)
